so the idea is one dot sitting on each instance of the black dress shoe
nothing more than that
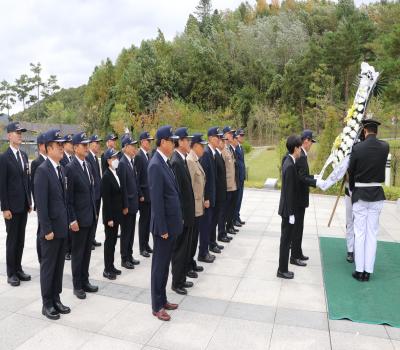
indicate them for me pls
(128, 265)
(13, 281)
(187, 284)
(215, 250)
(90, 288)
(198, 268)
(109, 275)
(231, 231)
(50, 312)
(242, 222)
(350, 257)
(192, 274)
(358, 276)
(179, 290)
(207, 259)
(145, 254)
(220, 247)
(212, 256)
(229, 237)
(297, 262)
(134, 261)
(304, 258)
(23, 276)
(286, 275)
(149, 250)
(237, 224)
(80, 293)
(96, 244)
(93, 247)
(366, 276)
(224, 239)
(62, 309)
(67, 256)
(116, 271)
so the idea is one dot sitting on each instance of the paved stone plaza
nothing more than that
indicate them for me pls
(236, 303)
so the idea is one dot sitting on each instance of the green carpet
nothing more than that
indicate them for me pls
(374, 302)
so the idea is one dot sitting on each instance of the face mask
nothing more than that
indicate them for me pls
(114, 164)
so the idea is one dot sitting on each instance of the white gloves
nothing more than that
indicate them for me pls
(316, 177)
(322, 184)
(291, 219)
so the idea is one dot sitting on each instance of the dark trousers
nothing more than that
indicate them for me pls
(98, 202)
(239, 200)
(15, 228)
(214, 223)
(205, 224)
(162, 252)
(297, 239)
(144, 225)
(181, 256)
(51, 269)
(127, 236)
(287, 231)
(38, 245)
(81, 252)
(193, 244)
(222, 220)
(230, 206)
(68, 242)
(109, 246)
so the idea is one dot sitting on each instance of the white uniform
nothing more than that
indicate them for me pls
(349, 221)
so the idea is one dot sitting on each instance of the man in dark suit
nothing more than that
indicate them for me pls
(166, 219)
(93, 160)
(34, 165)
(130, 198)
(110, 143)
(51, 203)
(142, 160)
(207, 161)
(241, 176)
(181, 254)
(305, 181)
(288, 204)
(15, 198)
(367, 172)
(81, 214)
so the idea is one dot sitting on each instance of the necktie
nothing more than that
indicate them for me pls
(170, 166)
(86, 171)
(70, 158)
(60, 177)
(19, 161)
(147, 156)
(97, 163)
(132, 164)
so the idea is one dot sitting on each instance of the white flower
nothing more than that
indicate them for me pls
(353, 134)
(360, 117)
(346, 130)
(360, 107)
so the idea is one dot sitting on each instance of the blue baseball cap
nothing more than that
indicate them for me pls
(110, 153)
(240, 132)
(182, 133)
(53, 135)
(80, 138)
(227, 129)
(198, 138)
(127, 140)
(68, 137)
(145, 135)
(41, 140)
(15, 126)
(165, 132)
(308, 134)
(95, 138)
(214, 131)
(111, 136)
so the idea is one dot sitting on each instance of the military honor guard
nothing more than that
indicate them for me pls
(367, 172)
(112, 211)
(93, 160)
(198, 179)
(111, 140)
(166, 219)
(288, 204)
(130, 198)
(51, 205)
(181, 253)
(81, 214)
(15, 198)
(349, 221)
(42, 156)
(142, 160)
(241, 176)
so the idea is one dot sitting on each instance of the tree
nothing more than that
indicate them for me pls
(22, 87)
(203, 14)
(7, 96)
(37, 84)
(50, 87)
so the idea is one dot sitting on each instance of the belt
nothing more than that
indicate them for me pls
(368, 184)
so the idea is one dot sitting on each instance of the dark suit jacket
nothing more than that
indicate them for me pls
(185, 189)
(15, 184)
(367, 164)
(288, 203)
(34, 165)
(80, 193)
(112, 198)
(64, 161)
(166, 211)
(96, 174)
(51, 201)
(240, 162)
(129, 185)
(207, 161)
(141, 164)
(305, 180)
(220, 194)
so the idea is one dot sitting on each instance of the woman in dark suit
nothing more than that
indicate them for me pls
(112, 211)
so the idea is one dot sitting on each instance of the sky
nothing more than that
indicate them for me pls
(70, 37)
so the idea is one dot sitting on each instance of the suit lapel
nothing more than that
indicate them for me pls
(79, 168)
(14, 160)
(168, 170)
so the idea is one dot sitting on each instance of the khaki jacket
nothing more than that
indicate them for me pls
(230, 169)
(198, 182)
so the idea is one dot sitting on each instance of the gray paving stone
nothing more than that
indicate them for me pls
(251, 312)
(120, 291)
(301, 318)
(345, 326)
(204, 305)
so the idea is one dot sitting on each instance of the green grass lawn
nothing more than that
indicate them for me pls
(261, 163)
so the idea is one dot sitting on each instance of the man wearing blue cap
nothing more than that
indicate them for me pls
(142, 160)
(15, 198)
(239, 135)
(41, 144)
(51, 203)
(93, 160)
(130, 198)
(181, 253)
(111, 140)
(166, 219)
(81, 214)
